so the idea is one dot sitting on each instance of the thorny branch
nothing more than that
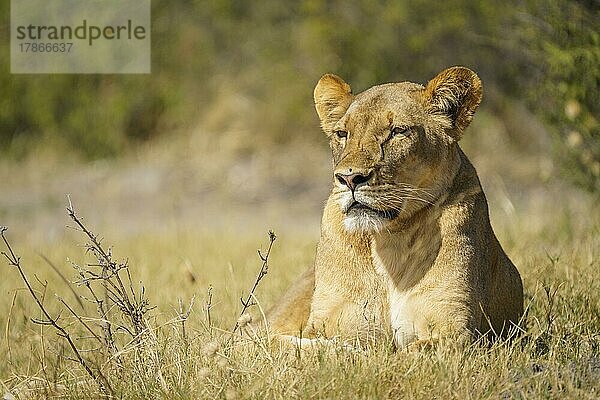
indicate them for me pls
(15, 261)
(110, 288)
(261, 274)
(116, 292)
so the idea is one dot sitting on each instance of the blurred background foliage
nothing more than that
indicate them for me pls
(228, 65)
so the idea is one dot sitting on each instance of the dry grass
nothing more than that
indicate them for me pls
(559, 357)
(159, 211)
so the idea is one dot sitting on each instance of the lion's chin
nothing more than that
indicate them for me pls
(361, 218)
(366, 224)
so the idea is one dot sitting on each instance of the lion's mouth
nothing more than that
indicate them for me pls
(358, 208)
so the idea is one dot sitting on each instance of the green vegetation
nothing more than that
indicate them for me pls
(225, 63)
(564, 60)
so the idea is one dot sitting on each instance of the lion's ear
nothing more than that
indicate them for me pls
(455, 92)
(332, 98)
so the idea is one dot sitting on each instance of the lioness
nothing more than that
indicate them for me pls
(406, 243)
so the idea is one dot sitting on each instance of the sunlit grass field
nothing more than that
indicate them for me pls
(179, 245)
(557, 357)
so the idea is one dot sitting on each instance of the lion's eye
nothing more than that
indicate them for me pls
(341, 134)
(399, 131)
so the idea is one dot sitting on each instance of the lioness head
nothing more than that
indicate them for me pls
(394, 145)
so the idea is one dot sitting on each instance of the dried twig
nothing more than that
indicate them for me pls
(81, 321)
(116, 292)
(208, 306)
(15, 261)
(261, 274)
(183, 316)
(107, 333)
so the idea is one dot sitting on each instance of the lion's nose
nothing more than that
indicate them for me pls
(353, 180)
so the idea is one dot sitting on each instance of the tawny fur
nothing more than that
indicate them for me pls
(408, 249)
